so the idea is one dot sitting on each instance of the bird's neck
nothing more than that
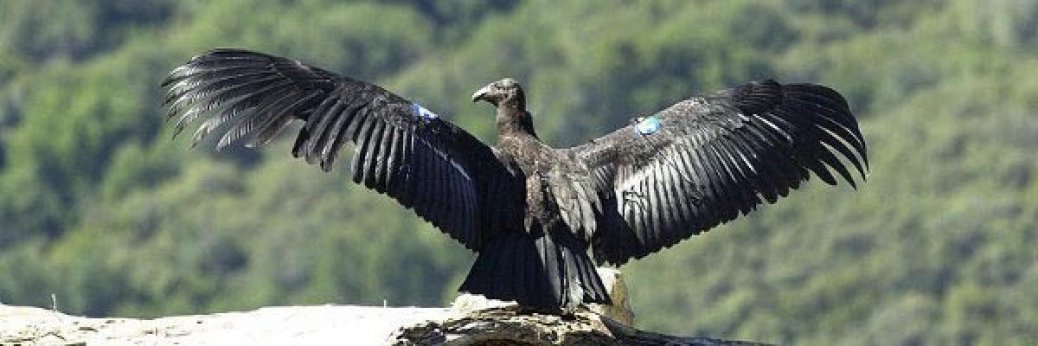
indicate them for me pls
(514, 120)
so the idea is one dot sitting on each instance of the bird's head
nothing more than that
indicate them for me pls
(505, 91)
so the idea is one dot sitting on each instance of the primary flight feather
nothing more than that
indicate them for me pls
(530, 211)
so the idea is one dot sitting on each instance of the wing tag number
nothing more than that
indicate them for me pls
(648, 125)
(423, 113)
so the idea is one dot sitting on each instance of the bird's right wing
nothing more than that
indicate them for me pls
(705, 160)
(401, 149)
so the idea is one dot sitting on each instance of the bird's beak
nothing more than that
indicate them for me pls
(481, 94)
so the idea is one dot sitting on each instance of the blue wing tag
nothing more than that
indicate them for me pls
(423, 113)
(648, 125)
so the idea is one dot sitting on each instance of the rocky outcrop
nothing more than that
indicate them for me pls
(472, 320)
(329, 325)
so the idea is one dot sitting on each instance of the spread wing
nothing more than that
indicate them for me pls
(401, 149)
(706, 160)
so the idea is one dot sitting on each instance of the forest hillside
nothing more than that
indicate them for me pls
(102, 210)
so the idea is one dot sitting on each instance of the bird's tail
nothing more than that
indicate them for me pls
(536, 271)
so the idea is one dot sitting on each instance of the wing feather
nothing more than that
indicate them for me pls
(715, 158)
(373, 158)
(425, 163)
(384, 156)
(359, 161)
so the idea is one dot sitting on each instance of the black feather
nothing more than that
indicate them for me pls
(630, 193)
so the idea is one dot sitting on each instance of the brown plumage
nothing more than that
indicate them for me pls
(533, 212)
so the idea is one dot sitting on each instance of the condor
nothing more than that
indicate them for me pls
(540, 218)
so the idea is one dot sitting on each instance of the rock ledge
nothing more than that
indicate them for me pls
(330, 324)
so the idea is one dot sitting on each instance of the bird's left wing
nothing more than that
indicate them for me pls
(401, 149)
(705, 160)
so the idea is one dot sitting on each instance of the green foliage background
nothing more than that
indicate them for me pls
(99, 207)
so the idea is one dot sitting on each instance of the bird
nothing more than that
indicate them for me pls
(539, 218)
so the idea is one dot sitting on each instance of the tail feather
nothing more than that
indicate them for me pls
(505, 269)
(536, 271)
(549, 255)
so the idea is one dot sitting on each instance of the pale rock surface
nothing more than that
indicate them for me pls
(299, 325)
(472, 320)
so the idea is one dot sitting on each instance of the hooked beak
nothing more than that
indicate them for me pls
(481, 94)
